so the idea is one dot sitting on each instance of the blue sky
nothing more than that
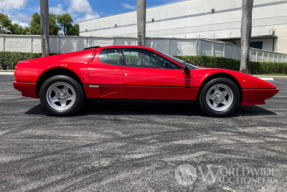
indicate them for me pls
(20, 11)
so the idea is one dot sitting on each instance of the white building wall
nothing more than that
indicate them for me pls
(194, 19)
(281, 42)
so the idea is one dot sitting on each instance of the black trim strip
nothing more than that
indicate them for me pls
(25, 82)
(138, 86)
(142, 100)
(260, 88)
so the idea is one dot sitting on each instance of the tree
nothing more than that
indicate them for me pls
(65, 21)
(44, 10)
(53, 27)
(5, 22)
(35, 25)
(246, 30)
(73, 30)
(27, 31)
(141, 21)
(16, 29)
(6, 26)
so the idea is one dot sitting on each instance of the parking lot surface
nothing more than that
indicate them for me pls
(138, 147)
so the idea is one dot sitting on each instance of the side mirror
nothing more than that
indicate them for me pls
(186, 70)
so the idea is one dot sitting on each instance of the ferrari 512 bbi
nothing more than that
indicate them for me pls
(63, 82)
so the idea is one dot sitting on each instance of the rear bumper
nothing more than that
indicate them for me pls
(257, 96)
(26, 88)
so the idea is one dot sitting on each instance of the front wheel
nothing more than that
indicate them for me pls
(219, 97)
(62, 95)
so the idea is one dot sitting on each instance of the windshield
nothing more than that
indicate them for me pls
(190, 66)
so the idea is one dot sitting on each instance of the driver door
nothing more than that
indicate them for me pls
(147, 75)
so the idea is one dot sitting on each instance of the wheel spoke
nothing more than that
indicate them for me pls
(215, 104)
(65, 88)
(217, 88)
(56, 89)
(224, 102)
(211, 97)
(54, 99)
(63, 103)
(225, 93)
(70, 97)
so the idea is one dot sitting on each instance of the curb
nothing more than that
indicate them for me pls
(6, 73)
(268, 77)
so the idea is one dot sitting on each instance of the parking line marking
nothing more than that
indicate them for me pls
(267, 79)
(6, 73)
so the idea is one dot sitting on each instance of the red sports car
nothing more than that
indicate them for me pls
(63, 82)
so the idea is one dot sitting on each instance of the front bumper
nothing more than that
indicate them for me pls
(28, 89)
(257, 96)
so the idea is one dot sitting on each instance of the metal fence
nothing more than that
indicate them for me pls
(172, 46)
(219, 49)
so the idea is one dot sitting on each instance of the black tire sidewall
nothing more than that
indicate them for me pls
(236, 97)
(62, 78)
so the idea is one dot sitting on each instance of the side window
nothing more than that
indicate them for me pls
(110, 56)
(141, 58)
(168, 64)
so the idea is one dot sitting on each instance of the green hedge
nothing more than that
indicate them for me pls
(8, 60)
(233, 64)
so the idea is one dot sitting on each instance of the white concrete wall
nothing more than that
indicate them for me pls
(194, 19)
(17, 43)
(176, 47)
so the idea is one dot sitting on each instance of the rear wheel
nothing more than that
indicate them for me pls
(62, 95)
(219, 97)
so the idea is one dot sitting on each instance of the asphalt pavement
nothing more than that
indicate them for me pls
(141, 147)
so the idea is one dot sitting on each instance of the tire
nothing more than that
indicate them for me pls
(219, 97)
(62, 95)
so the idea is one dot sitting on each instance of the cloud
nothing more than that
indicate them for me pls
(57, 10)
(12, 4)
(22, 24)
(88, 17)
(128, 6)
(21, 17)
(82, 6)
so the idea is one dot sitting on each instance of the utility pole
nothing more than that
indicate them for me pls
(141, 21)
(246, 30)
(44, 11)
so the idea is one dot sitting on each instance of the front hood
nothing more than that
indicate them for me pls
(246, 81)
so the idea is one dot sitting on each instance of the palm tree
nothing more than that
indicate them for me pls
(246, 29)
(44, 10)
(141, 21)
